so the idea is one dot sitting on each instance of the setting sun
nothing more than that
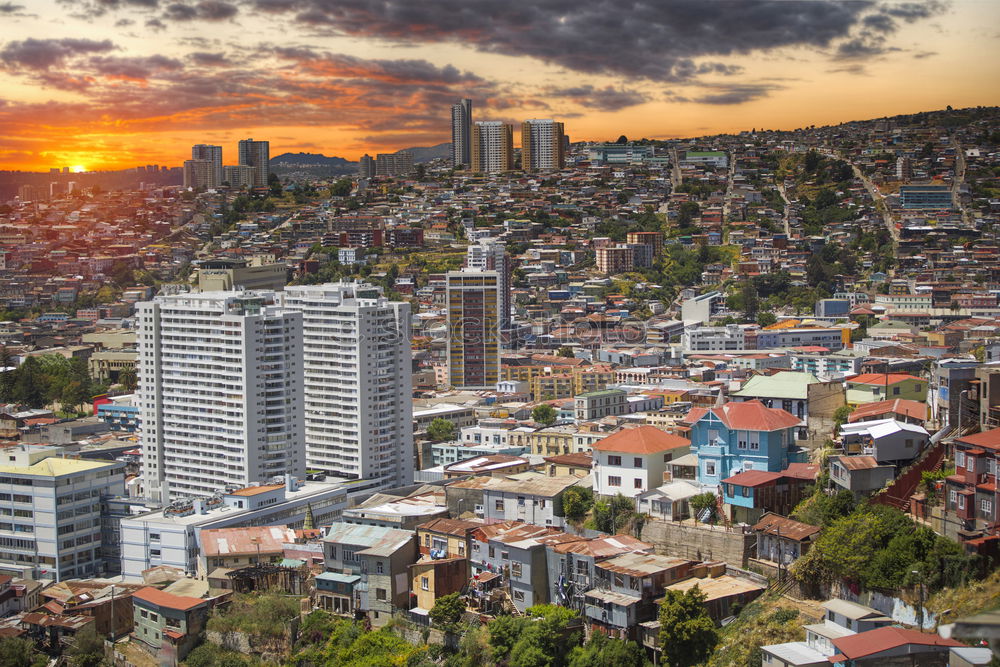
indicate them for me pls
(79, 169)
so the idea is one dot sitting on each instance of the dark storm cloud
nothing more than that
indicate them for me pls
(207, 59)
(724, 94)
(608, 98)
(641, 38)
(40, 54)
(207, 10)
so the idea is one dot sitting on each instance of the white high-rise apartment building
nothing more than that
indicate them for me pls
(492, 146)
(256, 154)
(214, 155)
(220, 391)
(358, 388)
(542, 145)
(461, 133)
(199, 174)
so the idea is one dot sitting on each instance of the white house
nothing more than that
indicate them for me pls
(633, 460)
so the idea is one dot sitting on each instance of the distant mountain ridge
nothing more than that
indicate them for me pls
(420, 154)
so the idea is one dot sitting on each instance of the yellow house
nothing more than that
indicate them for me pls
(449, 537)
(431, 579)
(552, 440)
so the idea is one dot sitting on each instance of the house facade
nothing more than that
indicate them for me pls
(633, 460)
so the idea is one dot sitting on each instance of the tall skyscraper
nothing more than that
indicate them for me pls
(491, 255)
(461, 133)
(220, 391)
(492, 146)
(357, 360)
(199, 174)
(366, 166)
(542, 145)
(214, 155)
(256, 154)
(473, 329)
(238, 176)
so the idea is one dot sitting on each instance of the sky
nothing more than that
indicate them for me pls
(109, 84)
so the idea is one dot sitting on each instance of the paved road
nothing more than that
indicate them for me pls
(879, 201)
(958, 181)
(788, 207)
(675, 172)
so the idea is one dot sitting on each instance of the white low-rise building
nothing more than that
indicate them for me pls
(50, 513)
(171, 536)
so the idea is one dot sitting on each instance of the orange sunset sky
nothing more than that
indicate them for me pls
(106, 84)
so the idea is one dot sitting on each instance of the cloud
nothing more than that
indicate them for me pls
(608, 98)
(41, 54)
(206, 10)
(207, 59)
(10, 8)
(728, 94)
(651, 39)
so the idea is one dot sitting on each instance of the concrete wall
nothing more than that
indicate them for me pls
(825, 397)
(695, 543)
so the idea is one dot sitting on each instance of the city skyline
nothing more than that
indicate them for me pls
(105, 84)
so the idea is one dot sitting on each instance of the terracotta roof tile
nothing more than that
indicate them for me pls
(641, 440)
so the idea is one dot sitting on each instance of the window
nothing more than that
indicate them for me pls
(504, 555)
(461, 548)
(492, 552)
(637, 462)
(499, 505)
(909, 443)
(154, 552)
(520, 501)
(154, 536)
(619, 579)
(425, 583)
(614, 460)
(753, 441)
(710, 468)
(713, 435)
(987, 507)
(380, 594)
(333, 552)
(519, 596)
(951, 496)
(961, 502)
(960, 459)
(515, 569)
(379, 567)
(638, 483)
(427, 540)
(895, 391)
(614, 481)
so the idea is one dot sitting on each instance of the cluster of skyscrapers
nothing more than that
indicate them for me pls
(487, 146)
(247, 386)
(205, 168)
(399, 163)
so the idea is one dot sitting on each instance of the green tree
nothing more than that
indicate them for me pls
(822, 510)
(544, 414)
(751, 302)
(703, 501)
(687, 633)
(87, 649)
(565, 351)
(441, 430)
(28, 386)
(612, 515)
(128, 378)
(447, 611)
(603, 651)
(766, 318)
(341, 188)
(274, 184)
(504, 634)
(17, 652)
(547, 638)
(577, 501)
(840, 416)
(213, 655)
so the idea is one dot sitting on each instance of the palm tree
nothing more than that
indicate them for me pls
(128, 379)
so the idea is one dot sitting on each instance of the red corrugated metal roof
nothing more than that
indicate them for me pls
(642, 440)
(168, 600)
(875, 641)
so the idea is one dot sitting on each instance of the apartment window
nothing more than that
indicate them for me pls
(425, 583)
(637, 462)
(952, 495)
(380, 594)
(504, 555)
(960, 459)
(154, 536)
(961, 502)
(499, 506)
(614, 481)
(461, 548)
(492, 552)
(987, 507)
(427, 540)
(614, 460)
(515, 569)
(895, 391)
(637, 483)
(633, 583)
(154, 552)
(619, 580)
(519, 596)
(710, 468)
(379, 567)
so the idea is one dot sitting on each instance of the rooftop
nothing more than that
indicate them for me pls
(168, 600)
(641, 440)
(54, 466)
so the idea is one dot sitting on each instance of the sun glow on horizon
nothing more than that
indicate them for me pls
(78, 169)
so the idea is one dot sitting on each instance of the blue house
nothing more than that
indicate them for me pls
(736, 437)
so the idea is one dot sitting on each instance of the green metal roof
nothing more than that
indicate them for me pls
(342, 578)
(786, 384)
